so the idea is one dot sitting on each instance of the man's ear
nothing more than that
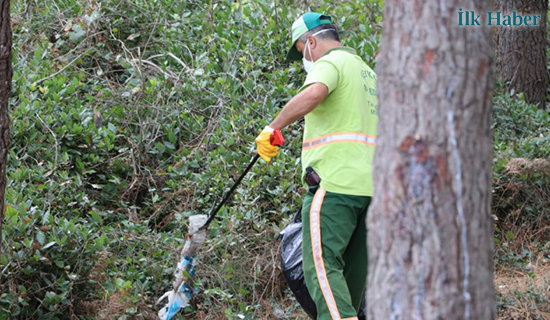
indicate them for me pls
(312, 41)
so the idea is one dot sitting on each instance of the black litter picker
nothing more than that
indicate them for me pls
(182, 293)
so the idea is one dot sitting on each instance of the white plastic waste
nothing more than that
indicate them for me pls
(182, 293)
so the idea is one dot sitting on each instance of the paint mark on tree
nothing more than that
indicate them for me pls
(428, 62)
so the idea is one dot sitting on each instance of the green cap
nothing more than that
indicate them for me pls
(305, 23)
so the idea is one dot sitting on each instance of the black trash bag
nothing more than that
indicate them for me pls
(291, 264)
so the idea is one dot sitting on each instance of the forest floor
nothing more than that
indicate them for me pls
(524, 293)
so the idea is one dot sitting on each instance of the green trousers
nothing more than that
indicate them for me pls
(335, 252)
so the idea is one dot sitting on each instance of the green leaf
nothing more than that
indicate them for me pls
(186, 274)
(509, 235)
(198, 72)
(243, 291)
(48, 245)
(10, 211)
(169, 145)
(119, 283)
(171, 135)
(40, 237)
(101, 241)
(96, 216)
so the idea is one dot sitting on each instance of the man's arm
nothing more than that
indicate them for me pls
(300, 105)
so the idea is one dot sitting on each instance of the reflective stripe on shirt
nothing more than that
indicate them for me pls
(339, 137)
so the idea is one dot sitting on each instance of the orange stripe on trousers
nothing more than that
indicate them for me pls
(315, 230)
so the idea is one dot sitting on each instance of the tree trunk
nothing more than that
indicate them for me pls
(430, 228)
(5, 87)
(521, 51)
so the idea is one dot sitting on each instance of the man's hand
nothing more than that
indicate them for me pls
(263, 144)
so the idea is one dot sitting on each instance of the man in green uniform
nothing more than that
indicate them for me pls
(338, 100)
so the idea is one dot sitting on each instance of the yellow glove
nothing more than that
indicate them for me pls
(263, 144)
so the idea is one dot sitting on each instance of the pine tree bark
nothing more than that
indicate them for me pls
(521, 51)
(430, 229)
(5, 87)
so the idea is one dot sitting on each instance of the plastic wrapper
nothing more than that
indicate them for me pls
(291, 264)
(182, 292)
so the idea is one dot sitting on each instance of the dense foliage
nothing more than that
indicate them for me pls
(521, 206)
(521, 172)
(128, 116)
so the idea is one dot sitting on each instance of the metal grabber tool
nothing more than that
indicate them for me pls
(182, 292)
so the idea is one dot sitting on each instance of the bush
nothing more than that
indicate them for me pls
(521, 171)
(128, 117)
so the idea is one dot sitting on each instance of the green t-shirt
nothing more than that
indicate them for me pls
(340, 133)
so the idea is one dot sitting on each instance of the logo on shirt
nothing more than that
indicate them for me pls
(370, 89)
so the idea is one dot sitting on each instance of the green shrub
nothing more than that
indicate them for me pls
(521, 172)
(519, 129)
(129, 116)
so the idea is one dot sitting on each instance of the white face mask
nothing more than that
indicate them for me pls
(308, 64)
